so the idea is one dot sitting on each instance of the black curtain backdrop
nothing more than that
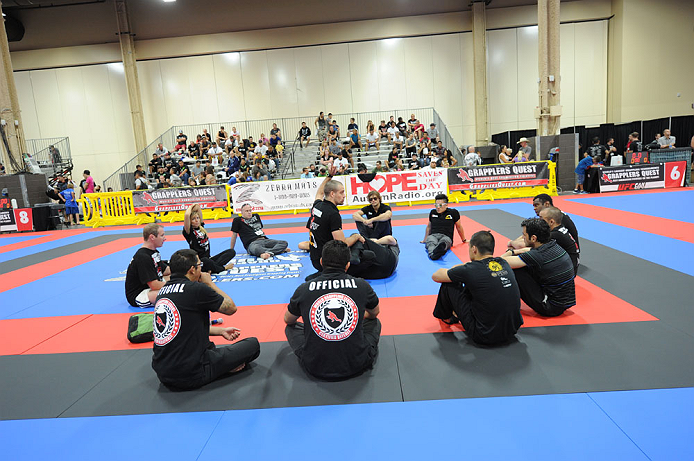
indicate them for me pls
(682, 128)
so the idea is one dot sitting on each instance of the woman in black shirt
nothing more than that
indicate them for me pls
(195, 234)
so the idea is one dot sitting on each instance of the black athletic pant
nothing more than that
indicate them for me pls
(454, 297)
(218, 361)
(532, 294)
(379, 229)
(215, 264)
(371, 329)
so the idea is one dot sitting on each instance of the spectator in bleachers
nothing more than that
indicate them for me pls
(233, 162)
(251, 144)
(444, 163)
(504, 156)
(326, 159)
(183, 171)
(229, 145)
(410, 145)
(162, 177)
(214, 150)
(378, 168)
(140, 181)
(402, 126)
(204, 145)
(197, 169)
(334, 148)
(235, 135)
(207, 135)
(138, 168)
(264, 139)
(439, 150)
(394, 157)
(414, 126)
(398, 140)
(347, 153)
(222, 136)
(306, 174)
(422, 149)
(274, 140)
(392, 131)
(54, 153)
(174, 179)
(666, 141)
(194, 149)
(274, 155)
(276, 131)
(341, 162)
(370, 125)
(452, 161)
(472, 158)
(323, 172)
(304, 135)
(261, 148)
(334, 131)
(210, 178)
(372, 140)
(321, 125)
(352, 125)
(413, 163)
(382, 130)
(161, 150)
(259, 172)
(181, 141)
(242, 150)
(243, 165)
(433, 133)
(330, 119)
(354, 139)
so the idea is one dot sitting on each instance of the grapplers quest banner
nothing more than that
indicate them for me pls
(180, 198)
(525, 174)
(642, 176)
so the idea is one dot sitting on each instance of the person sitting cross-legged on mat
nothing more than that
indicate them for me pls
(543, 270)
(373, 221)
(339, 337)
(195, 234)
(147, 273)
(482, 294)
(438, 236)
(184, 357)
(249, 227)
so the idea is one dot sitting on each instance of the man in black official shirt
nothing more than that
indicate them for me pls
(540, 202)
(250, 228)
(325, 223)
(543, 270)
(560, 234)
(339, 337)
(597, 149)
(184, 357)
(373, 221)
(482, 294)
(438, 236)
(147, 273)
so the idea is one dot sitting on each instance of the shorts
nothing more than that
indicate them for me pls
(580, 178)
(142, 300)
(72, 210)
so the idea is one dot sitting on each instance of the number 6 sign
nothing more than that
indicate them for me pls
(674, 174)
(24, 219)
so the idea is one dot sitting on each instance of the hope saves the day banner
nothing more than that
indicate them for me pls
(400, 186)
(525, 174)
(179, 198)
(642, 176)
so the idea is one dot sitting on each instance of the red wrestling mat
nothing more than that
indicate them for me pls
(400, 316)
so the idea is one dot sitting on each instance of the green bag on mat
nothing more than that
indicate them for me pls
(140, 328)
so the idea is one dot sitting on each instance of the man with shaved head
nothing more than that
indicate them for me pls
(553, 216)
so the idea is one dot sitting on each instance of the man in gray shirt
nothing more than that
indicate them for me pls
(666, 141)
(334, 148)
(525, 148)
(197, 169)
(433, 132)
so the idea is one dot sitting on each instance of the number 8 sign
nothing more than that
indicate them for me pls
(24, 219)
(674, 174)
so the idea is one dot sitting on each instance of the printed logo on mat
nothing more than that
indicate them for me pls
(167, 322)
(334, 316)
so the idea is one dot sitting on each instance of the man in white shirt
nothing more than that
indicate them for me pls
(372, 139)
(341, 162)
(472, 158)
(161, 150)
(261, 148)
(214, 150)
(392, 131)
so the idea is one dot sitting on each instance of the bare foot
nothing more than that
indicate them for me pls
(239, 368)
(228, 266)
(287, 250)
(266, 256)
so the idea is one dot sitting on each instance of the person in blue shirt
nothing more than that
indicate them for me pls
(71, 208)
(581, 168)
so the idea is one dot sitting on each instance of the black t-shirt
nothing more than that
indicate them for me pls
(382, 266)
(597, 149)
(332, 307)
(198, 240)
(495, 298)
(305, 131)
(156, 163)
(352, 126)
(551, 266)
(443, 223)
(402, 126)
(193, 149)
(569, 224)
(325, 218)
(242, 151)
(146, 266)
(248, 229)
(566, 241)
(182, 328)
(182, 139)
(369, 211)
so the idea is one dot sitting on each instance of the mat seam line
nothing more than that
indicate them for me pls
(56, 334)
(397, 366)
(618, 426)
(211, 433)
(97, 383)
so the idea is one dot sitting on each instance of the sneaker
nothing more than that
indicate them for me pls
(439, 251)
(576, 191)
(583, 192)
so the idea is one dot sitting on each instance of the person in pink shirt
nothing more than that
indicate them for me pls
(89, 182)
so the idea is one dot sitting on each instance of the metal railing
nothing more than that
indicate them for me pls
(289, 127)
(53, 155)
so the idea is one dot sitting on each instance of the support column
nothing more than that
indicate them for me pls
(127, 48)
(479, 44)
(549, 114)
(9, 110)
